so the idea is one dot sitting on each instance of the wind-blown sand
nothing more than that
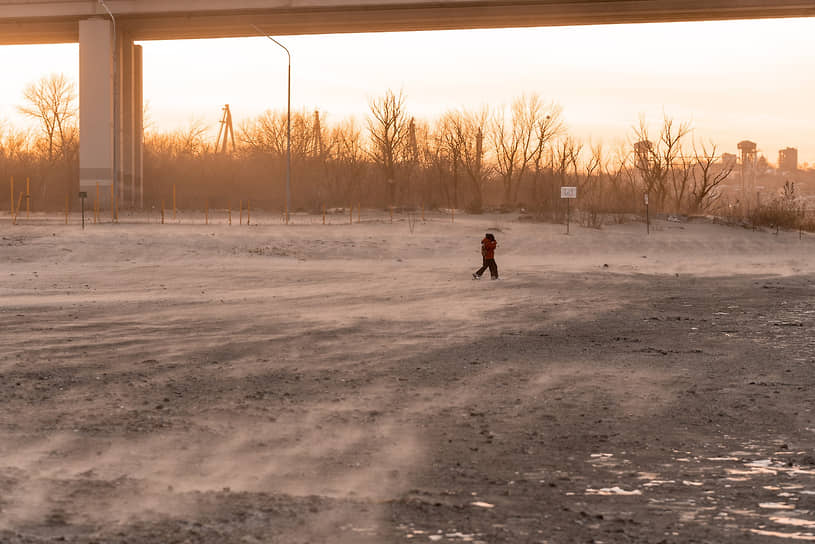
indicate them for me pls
(351, 383)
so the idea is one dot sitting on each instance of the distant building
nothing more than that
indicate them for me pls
(788, 159)
(729, 160)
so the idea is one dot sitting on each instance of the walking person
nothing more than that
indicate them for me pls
(488, 245)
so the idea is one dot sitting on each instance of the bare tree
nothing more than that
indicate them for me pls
(656, 161)
(346, 161)
(707, 176)
(267, 133)
(467, 130)
(388, 129)
(52, 102)
(518, 141)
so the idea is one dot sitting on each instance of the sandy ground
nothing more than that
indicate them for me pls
(352, 384)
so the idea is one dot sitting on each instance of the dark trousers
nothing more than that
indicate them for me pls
(488, 263)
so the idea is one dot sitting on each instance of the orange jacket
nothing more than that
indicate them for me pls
(488, 248)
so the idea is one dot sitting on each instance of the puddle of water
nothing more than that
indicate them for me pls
(612, 491)
(751, 472)
(760, 463)
(776, 505)
(796, 522)
(656, 483)
(647, 475)
(793, 536)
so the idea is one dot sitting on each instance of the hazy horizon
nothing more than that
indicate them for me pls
(733, 80)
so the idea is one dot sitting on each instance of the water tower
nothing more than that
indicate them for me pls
(747, 154)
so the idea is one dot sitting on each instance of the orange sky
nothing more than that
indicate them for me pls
(735, 80)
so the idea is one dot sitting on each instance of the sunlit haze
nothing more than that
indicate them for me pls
(734, 80)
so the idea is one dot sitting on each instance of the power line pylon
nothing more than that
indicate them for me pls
(226, 130)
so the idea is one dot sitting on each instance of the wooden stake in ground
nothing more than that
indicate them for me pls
(229, 214)
(96, 205)
(248, 211)
(240, 205)
(162, 211)
(17, 210)
(27, 199)
(112, 206)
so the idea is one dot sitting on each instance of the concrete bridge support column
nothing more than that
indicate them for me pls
(131, 116)
(96, 115)
(96, 108)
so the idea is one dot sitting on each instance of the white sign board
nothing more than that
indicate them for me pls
(568, 192)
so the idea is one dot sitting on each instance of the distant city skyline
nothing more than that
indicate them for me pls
(734, 80)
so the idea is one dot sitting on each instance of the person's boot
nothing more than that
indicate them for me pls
(476, 276)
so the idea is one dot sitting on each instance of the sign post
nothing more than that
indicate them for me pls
(568, 193)
(647, 216)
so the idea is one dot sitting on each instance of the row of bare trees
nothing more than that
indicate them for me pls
(47, 155)
(515, 156)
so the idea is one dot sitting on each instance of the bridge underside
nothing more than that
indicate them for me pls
(207, 20)
(63, 21)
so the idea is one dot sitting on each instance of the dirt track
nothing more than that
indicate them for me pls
(352, 384)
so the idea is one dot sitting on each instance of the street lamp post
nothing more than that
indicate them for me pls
(288, 126)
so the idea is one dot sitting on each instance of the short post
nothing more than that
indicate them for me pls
(116, 205)
(82, 196)
(452, 215)
(162, 211)
(229, 214)
(96, 205)
(112, 206)
(647, 216)
(323, 214)
(567, 216)
(351, 215)
(27, 199)
(248, 211)
(66, 208)
(174, 202)
(19, 204)
(359, 213)
(391, 214)
(240, 205)
(422, 211)
(206, 213)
